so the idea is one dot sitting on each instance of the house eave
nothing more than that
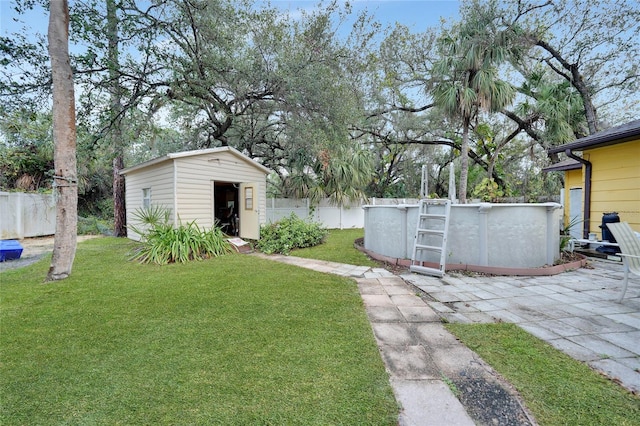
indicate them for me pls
(563, 166)
(615, 135)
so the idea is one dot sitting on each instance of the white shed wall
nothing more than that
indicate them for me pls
(157, 177)
(194, 186)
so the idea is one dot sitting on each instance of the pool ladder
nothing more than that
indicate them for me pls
(431, 236)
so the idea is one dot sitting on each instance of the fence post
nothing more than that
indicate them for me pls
(19, 215)
(483, 233)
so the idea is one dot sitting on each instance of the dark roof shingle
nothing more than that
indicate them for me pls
(613, 135)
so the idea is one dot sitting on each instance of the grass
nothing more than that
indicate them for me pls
(338, 247)
(231, 340)
(556, 388)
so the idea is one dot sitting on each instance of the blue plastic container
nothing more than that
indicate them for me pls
(10, 250)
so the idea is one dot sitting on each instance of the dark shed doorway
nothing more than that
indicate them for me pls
(225, 205)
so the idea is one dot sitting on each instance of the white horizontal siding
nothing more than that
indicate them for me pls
(185, 182)
(157, 177)
(194, 184)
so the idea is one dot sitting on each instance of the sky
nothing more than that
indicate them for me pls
(415, 14)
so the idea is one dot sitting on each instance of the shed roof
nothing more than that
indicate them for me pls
(614, 135)
(176, 155)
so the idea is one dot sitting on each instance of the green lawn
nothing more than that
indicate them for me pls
(338, 247)
(232, 340)
(556, 388)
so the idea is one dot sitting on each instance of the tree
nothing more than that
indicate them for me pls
(119, 73)
(117, 76)
(592, 45)
(116, 118)
(26, 150)
(467, 79)
(219, 67)
(293, 93)
(64, 136)
(550, 112)
(397, 121)
(340, 174)
(276, 89)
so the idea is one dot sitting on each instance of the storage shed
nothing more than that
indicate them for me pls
(209, 186)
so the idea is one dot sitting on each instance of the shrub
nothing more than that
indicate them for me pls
(488, 190)
(290, 233)
(93, 225)
(152, 216)
(162, 243)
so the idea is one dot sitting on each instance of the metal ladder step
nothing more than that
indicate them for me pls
(426, 271)
(432, 216)
(431, 231)
(430, 248)
(428, 239)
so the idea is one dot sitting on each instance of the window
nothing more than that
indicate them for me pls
(248, 198)
(146, 198)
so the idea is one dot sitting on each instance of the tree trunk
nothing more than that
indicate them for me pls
(589, 109)
(119, 209)
(576, 80)
(491, 165)
(64, 137)
(116, 133)
(464, 161)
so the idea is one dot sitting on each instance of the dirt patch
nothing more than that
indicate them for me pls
(34, 249)
(490, 403)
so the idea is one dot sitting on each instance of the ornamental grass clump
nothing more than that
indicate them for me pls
(290, 233)
(162, 243)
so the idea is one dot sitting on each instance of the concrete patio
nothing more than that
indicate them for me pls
(576, 312)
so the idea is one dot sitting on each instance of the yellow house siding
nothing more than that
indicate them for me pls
(194, 186)
(615, 183)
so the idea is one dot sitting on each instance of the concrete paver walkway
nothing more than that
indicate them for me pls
(425, 362)
(576, 312)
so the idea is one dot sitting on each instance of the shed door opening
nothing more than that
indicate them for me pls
(226, 206)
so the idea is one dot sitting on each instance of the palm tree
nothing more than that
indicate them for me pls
(340, 174)
(555, 102)
(343, 175)
(467, 78)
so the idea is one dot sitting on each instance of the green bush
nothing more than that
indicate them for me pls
(488, 190)
(93, 225)
(290, 233)
(163, 243)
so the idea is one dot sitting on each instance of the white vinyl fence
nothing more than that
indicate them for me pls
(329, 215)
(26, 215)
